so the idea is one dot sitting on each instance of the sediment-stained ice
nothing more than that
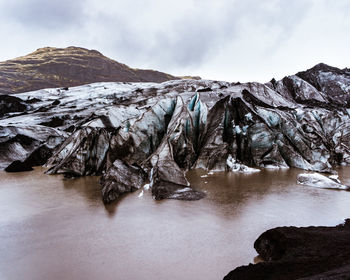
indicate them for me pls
(160, 131)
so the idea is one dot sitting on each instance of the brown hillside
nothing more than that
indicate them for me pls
(66, 67)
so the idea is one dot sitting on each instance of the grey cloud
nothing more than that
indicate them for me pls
(187, 39)
(185, 35)
(193, 37)
(44, 14)
(183, 45)
(276, 19)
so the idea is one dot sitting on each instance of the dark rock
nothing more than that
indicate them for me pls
(39, 156)
(204, 89)
(293, 253)
(139, 90)
(9, 104)
(70, 129)
(56, 102)
(33, 100)
(340, 273)
(54, 121)
(18, 166)
(273, 81)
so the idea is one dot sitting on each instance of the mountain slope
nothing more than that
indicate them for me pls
(67, 67)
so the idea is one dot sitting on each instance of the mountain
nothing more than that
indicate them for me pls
(66, 67)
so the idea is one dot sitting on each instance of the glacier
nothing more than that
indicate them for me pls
(134, 134)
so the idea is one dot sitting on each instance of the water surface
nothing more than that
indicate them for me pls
(55, 228)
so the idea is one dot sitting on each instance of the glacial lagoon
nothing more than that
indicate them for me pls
(57, 228)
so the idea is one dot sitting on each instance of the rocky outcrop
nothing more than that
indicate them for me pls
(300, 253)
(165, 129)
(66, 67)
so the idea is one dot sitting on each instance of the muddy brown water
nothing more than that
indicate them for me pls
(55, 228)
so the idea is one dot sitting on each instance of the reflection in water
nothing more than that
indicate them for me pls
(111, 208)
(86, 186)
(56, 228)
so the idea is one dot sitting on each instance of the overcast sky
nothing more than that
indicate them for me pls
(250, 40)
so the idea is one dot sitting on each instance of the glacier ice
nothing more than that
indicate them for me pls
(134, 134)
(319, 181)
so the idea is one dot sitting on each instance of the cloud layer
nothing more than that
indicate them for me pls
(227, 39)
